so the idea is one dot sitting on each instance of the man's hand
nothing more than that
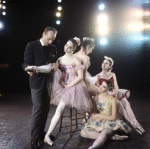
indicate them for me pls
(55, 66)
(31, 73)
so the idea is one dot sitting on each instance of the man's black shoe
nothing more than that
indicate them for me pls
(52, 137)
(36, 143)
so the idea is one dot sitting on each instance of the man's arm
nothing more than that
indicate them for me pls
(28, 57)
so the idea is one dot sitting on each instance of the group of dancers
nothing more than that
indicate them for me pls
(70, 84)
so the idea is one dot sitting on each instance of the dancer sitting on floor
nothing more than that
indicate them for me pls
(104, 124)
(106, 74)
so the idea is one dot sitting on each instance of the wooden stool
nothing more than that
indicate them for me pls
(71, 119)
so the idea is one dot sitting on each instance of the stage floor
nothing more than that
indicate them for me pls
(15, 114)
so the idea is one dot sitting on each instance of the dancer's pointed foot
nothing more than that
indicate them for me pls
(138, 127)
(48, 140)
(118, 137)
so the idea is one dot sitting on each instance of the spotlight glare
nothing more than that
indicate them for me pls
(102, 19)
(4, 7)
(59, 8)
(101, 7)
(4, 2)
(58, 14)
(103, 30)
(1, 25)
(58, 22)
(4, 13)
(0, 5)
(59, 1)
(103, 41)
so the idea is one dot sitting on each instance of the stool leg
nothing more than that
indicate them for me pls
(76, 118)
(70, 122)
(61, 122)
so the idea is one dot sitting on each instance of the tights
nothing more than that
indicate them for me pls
(56, 117)
(126, 111)
(127, 106)
(123, 112)
(100, 137)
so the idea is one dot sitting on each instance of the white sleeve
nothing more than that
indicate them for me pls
(44, 68)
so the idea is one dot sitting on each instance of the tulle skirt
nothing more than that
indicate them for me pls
(76, 96)
(100, 125)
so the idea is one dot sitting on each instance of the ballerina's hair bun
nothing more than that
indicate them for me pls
(77, 40)
(89, 39)
(109, 84)
(109, 59)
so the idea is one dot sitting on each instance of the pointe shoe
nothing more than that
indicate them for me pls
(48, 141)
(118, 137)
(138, 127)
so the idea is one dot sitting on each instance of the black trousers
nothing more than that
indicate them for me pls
(40, 110)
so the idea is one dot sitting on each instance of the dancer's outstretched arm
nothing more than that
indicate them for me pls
(40, 69)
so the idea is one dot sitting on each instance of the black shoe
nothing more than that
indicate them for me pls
(52, 137)
(37, 144)
(42, 136)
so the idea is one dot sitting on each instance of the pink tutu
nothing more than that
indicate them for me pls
(76, 96)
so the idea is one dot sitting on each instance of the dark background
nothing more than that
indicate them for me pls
(25, 21)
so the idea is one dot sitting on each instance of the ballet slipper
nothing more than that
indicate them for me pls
(48, 140)
(118, 137)
(138, 127)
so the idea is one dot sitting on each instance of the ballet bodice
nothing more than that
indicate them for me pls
(105, 108)
(69, 72)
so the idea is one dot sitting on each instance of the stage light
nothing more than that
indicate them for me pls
(102, 30)
(58, 22)
(58, 14)
(4, 13)
(59, 8)
(103, 41)
(101, 7)
(59, 1)
(146, 13)
(138, 26)
(102, 19)
(4, 2)
(4, 7)
(1, 25)
(0, 5)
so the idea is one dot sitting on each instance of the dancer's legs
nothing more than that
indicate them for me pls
(56, 117)
(103, 136)
(123, 112)
(88, 133)
(127, 106)
(100, 137)
(54, 121)
(134, 121)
